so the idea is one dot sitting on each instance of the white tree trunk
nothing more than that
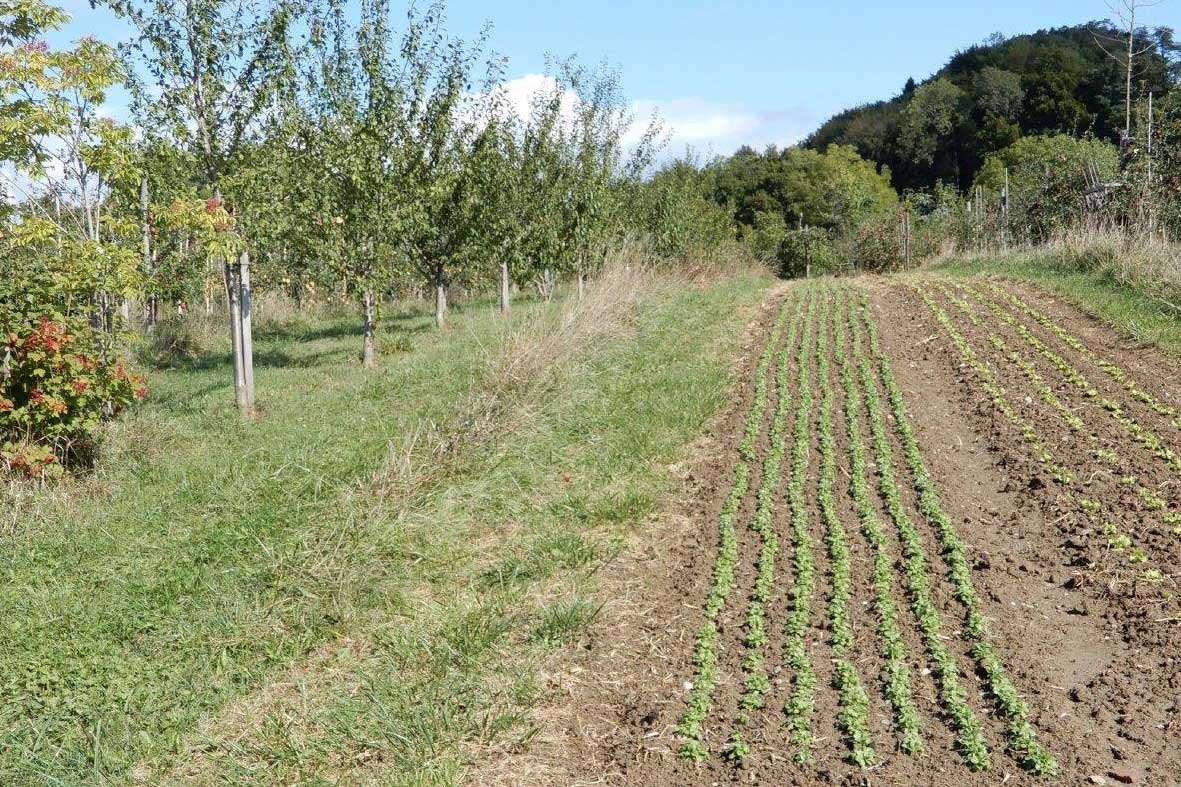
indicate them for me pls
(369, 351)
(505, 298)
(545, 283)
(235, 314)
(440, 305)
(246, 307)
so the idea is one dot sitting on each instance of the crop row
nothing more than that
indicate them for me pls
(1112, 370)
(756, 682)
(705, 655)
(1022, 738)
(995, 390)
(1072, 420)
(853, 718)
(1136, 431)
(1028, 369)
(896, 675)
(953, 697)
(799, 705)
(1076, 378)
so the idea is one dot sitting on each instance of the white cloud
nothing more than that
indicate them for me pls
(708, 128)
(720, 129)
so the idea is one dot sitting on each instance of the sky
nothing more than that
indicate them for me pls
(725, 74)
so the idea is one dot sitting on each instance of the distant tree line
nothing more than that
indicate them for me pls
(1012, 142)
(1058, 81)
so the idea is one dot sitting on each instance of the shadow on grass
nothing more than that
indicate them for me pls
(265, 359)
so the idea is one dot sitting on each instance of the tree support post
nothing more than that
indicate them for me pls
(246, 330)
(504, 288)
(906, 237)
(151, 308)
(233, 297)
(440, 304)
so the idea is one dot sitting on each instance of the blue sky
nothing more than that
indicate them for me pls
(756, 71)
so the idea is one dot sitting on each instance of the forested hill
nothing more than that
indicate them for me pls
(987, 96)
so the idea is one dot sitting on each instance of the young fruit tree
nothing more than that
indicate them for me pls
(204, 75)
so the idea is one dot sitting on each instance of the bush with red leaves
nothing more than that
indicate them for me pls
(57, 383)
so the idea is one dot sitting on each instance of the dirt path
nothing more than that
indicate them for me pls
(1030, 541)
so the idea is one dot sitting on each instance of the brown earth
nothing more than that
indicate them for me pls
(1089, 639)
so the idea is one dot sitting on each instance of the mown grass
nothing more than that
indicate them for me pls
(1129, 308)
(358, 584)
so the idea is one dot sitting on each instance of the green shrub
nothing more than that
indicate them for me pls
(809, 250)
(60, 372)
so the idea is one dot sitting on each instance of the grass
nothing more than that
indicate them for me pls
(362, 581)
(1098, 290)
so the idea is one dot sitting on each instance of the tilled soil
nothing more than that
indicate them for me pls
(1087, 626)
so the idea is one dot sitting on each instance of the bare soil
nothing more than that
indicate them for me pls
(1091, 641)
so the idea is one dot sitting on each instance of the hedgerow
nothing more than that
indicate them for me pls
(60, 376)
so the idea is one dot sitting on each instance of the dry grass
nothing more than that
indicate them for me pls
(535, 352)
(1140, 260)
(553, 338)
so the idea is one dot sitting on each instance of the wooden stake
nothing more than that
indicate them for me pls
(245, 307)
(906, 237)
(233, 296)
(152, 309)
(369, 346)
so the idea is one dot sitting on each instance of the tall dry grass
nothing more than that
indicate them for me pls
(1141, 260)
(537, 353)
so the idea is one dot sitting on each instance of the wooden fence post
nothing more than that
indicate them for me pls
(906, 237)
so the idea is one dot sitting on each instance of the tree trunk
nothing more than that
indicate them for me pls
(246, 329)
(235, 314)
(150, 312)
(440, 305)
(369, 351)
(1128, 84)
(581, 285)
(504, 288)
(545, 283)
